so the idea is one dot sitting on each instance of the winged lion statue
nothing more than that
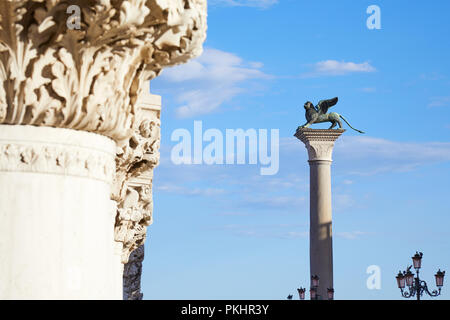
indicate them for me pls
(318, 114)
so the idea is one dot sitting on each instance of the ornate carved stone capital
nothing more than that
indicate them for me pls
(85, 65)
(133, 185)
(86, 71)
(319, 142)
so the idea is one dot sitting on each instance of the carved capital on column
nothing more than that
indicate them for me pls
(135, 161)
(85, 65)
(319, 142)
(82, 64)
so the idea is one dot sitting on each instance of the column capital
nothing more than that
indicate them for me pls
(319, 142)
(132, 189)
(83, 64)
(86, 66)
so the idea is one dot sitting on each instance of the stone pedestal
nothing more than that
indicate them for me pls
(319, 144)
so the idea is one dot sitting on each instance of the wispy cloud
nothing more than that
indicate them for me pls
(170, 188)
(274, 202)
(439, 102)
(264, 4)
(281, 231)
(209, 81)
(352, 235)
(370, 156)
(386, 155)
(369, 89)
(337, 68)
(241, 191)
(432, 76)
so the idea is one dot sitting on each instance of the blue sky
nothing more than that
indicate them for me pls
(225, 231)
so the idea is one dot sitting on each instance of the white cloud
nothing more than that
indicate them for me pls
(286, 231)
(240, 190)
(369, 89)
(170, 188)
(353, 235)
(439, 102)
(274, 202)
(338, 68)
(364, 156)
(209, 81)
(245, 3)
(401, 155)
(283, 231)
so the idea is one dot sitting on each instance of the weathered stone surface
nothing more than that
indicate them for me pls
(132, 275)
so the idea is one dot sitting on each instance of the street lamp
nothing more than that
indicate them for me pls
(417, 260)
(439, 278)
(330, 292)
(315, 281)
(314, 287)
(313, 290)
(400, 280)
(417, 287)
(301, 293)
(313, 294)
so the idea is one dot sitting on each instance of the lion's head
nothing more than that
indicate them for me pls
(308, 105)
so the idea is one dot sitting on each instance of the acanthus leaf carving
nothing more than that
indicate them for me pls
(89, 78)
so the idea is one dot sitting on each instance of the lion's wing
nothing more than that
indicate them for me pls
(324, 105)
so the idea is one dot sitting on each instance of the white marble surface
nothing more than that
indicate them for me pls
(57, 219)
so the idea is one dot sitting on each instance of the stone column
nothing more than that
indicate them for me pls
(79, 137)
(319, 144)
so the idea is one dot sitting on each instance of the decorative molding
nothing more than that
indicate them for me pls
(90, 78)
(319, 142)
(56, 159)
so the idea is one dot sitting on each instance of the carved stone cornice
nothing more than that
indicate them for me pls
(88, 77)
(319, 142)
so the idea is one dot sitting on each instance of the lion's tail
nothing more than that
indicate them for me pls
(350, 125)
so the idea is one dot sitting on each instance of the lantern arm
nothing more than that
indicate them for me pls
(408, 293)
(424, 287)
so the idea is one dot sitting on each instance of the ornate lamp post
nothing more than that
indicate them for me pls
(416, 286)
(301, 293)
(330, 292)
(313, 292)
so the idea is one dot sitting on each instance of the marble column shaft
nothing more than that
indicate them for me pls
(319, 144)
